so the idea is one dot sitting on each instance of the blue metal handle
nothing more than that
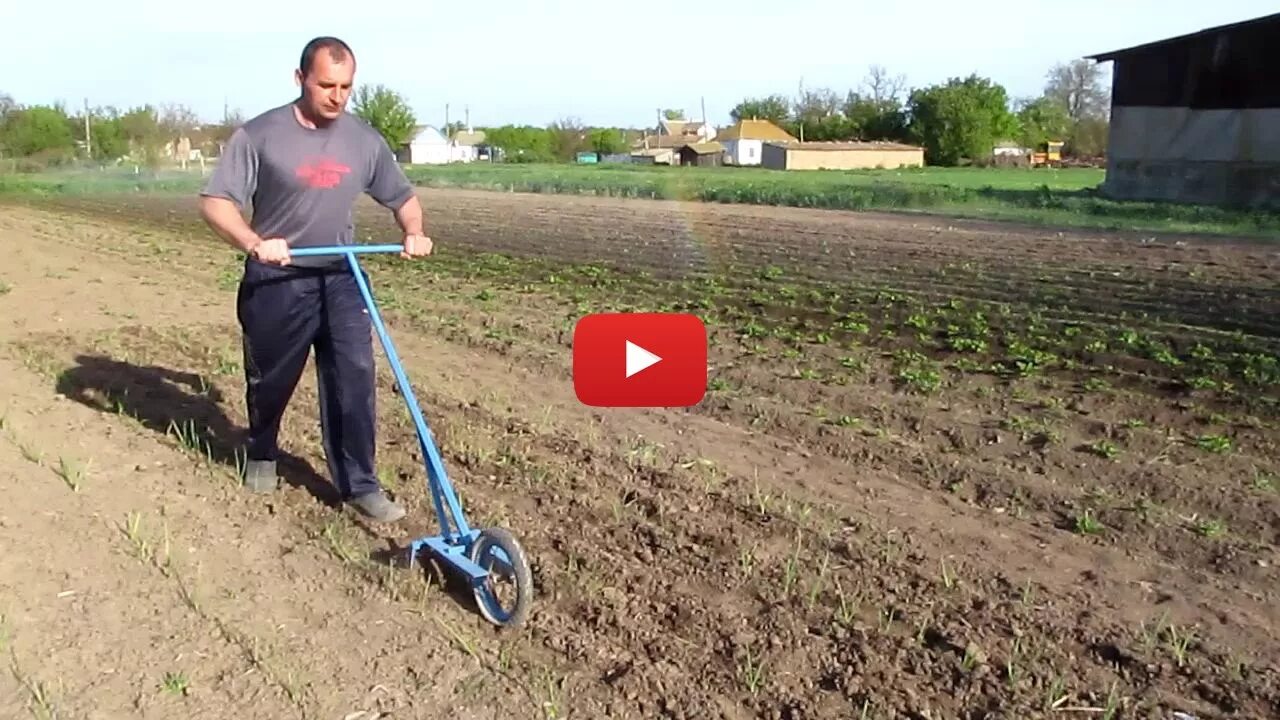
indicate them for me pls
(345, 250)
(442, 490)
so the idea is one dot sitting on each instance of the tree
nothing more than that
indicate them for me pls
(1042, 120)
(521, 144)
(221, 132)
(877, 111)
(814, 106)
(568, 138)
(176, 120)
(387, 112)
(144, 134)
(1078, 87)
(673, 114)
(107, 140)
(774, 108)
(874, 111)
(962, 118)
(38, 130)
(882, 88)
(607, 141)
(1089, 137)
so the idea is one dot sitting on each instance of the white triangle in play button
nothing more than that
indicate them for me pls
(638, 358)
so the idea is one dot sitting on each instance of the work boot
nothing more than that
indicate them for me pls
(260, 476)
(377, 506)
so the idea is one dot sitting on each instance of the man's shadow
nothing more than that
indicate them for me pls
(181, 404)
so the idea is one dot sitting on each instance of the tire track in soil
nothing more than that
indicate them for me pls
(851, 675)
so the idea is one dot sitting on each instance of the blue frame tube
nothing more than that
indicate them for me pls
(439, 480)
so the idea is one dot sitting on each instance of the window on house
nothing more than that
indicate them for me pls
(751, 153)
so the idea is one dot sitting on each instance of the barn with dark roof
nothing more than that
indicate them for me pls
(1196, 118)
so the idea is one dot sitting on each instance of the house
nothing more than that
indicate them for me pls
(703, 154)
(743, 142)
(1194, 117)
(784, 155)
(428, 146)
(687, 130)
(467, 145)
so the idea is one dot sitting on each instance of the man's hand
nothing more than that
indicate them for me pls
(272, 251)
(416, 246)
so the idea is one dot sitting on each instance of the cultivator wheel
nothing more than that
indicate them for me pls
(504, 596)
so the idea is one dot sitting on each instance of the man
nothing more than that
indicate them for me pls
(303, 165)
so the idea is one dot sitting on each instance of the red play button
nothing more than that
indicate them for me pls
(640, 360)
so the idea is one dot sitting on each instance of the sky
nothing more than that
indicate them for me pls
(511, 61)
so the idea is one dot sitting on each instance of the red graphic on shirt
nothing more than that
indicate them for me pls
(324, 173)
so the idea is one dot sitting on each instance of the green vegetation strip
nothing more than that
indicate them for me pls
(1064, 198)
(922, 334)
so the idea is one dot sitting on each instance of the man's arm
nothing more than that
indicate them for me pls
(409, 216)
(389, 186)
(228, 191)
(223, 216)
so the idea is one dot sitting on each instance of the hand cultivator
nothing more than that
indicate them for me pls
(476, 554)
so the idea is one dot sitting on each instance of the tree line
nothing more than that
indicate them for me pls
(957, 120)
(42, 136)
(962, 118)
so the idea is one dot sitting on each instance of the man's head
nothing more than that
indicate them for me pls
(325, 73)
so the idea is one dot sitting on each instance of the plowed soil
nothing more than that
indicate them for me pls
(943, 470)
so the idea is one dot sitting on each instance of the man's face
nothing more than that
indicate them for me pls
(326, 88)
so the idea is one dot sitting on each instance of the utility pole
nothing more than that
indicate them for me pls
(446, 120)
(88, 141)
(466, 110)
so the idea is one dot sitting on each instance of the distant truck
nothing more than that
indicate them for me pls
(1009, 154)
(1048, 154)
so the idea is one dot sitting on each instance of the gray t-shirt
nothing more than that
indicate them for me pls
(303, 182)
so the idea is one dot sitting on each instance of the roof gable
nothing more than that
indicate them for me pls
(682, 127)
(755, 130)
(427, 134)
(469, 137)
(1113, 54)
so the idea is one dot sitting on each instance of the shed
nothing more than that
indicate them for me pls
(704, 154)
(653, 156)
(840, 155)
(1194, 117)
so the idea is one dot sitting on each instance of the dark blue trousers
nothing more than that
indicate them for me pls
(284, 312)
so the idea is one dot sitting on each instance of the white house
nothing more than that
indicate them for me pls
(426, 146)
(429, 146)
(466, 145)
(744, 142)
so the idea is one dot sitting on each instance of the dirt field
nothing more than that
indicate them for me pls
(944, 470)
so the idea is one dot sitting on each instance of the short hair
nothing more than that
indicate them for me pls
(338, 51)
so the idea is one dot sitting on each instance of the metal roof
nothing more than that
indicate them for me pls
(1113, 54)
